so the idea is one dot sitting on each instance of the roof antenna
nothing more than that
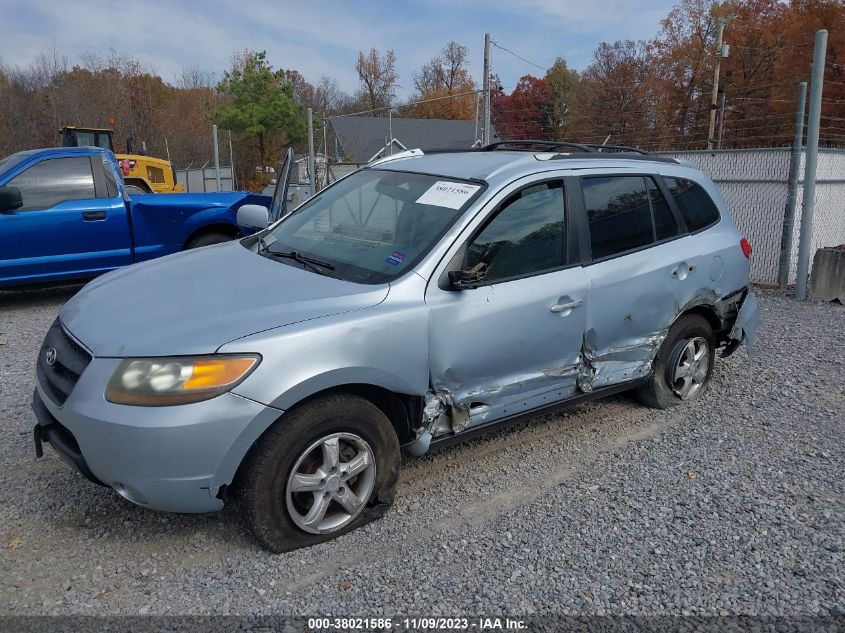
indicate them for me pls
(607, 138)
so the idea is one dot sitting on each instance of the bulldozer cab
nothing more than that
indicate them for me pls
(144, 174)
(73, 136)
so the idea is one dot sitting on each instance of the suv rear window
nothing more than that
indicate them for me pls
(624, 213)
(696, 206)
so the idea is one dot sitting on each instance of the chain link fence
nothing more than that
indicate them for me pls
(754, 183)
(336, 171)
(204, 179)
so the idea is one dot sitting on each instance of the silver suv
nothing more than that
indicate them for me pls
(416, 300)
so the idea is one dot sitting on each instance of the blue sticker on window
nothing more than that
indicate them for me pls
(395, 258)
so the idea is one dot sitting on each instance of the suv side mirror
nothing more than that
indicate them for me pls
(468, 279)
(10, 199)
(253, 216)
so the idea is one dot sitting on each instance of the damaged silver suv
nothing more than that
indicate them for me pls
(419, 299)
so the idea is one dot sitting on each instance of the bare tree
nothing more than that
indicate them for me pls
(193, 77)
(329, 97)
(378, 77)
(446, 71)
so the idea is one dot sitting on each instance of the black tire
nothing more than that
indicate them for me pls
(139, 184)
(658, 392)
(262, 480)
(207, 239)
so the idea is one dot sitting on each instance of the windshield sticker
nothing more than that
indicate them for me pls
(395, 258)
(451, 195)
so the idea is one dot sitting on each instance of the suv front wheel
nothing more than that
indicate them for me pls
(326, 467)
(683, 365)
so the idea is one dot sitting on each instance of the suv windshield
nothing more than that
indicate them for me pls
(374, 225)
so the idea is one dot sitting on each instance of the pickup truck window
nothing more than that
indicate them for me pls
(111, 184)
(55, 180)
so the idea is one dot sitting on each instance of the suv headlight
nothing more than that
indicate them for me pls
(154, 382)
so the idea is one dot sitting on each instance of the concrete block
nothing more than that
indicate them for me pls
(827, 279)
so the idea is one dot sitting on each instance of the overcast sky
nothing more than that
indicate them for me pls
(323, 38)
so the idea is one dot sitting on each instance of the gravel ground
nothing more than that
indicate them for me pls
(731, 506)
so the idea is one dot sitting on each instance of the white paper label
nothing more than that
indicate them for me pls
(451, 195)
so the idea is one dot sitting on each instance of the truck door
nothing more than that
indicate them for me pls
(73, 222)
(280, 207)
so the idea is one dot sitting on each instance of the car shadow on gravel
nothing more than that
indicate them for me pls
(36, 297)
(67, 502)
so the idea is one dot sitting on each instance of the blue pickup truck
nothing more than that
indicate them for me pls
(65, 215)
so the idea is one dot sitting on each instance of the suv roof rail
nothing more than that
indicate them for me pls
(592, 150)
(408, 153)
(528, 145)
(618, 149)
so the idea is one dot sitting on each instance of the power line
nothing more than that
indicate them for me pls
(405, 105)
(507, 50)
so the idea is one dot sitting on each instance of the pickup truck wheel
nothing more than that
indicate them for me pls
(683, 365)
(207, 239)
(325, 468)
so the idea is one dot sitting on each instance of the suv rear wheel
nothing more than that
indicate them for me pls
(325, 468)
(683, 365)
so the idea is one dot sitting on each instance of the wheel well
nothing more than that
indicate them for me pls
(139, 182)
(226, 229)
(400, 409)
(710, 315)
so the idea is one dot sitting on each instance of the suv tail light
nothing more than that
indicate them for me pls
(745, 245)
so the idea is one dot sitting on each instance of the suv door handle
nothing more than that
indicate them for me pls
(563, 307)
(89, 216)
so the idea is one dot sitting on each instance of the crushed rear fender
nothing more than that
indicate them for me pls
(745, 327)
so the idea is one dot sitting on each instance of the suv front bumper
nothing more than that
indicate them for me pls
(173, 458)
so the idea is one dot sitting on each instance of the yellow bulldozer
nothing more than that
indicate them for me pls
(141, 173)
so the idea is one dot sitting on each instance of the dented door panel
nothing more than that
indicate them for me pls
(499, 350)
(633, 300)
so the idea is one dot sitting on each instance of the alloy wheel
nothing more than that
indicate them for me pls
(330, 483)
(689, 371)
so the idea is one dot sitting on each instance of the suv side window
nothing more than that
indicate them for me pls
(55, 180)
(618, 213)
(526, 236)
(665, 225)
(696, 206)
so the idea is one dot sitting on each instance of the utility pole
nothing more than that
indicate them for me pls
(232, 163)
(216, 156)
(792, 190)
(477, 109)
(715, 100)
(721, 120)
(312, 177)
(805, 239)
(486, 87)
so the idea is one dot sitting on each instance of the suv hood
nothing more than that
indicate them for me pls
(195, 301)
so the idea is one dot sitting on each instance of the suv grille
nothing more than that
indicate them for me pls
(69, 361)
